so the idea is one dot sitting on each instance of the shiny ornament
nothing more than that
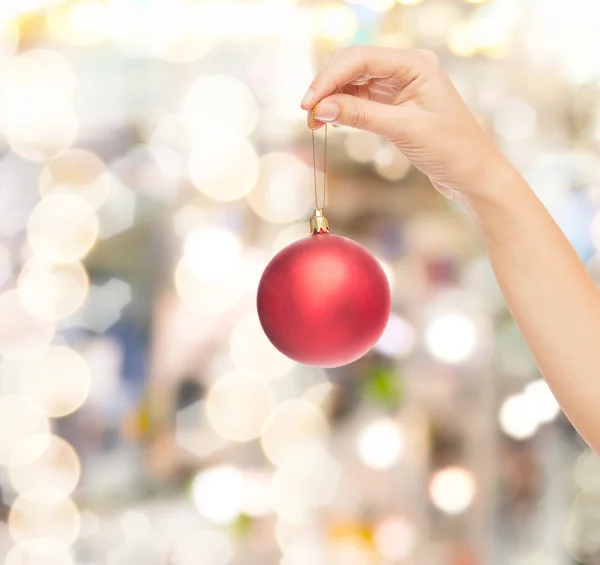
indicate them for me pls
(323, 300)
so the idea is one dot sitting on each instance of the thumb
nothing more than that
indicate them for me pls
(348, 110)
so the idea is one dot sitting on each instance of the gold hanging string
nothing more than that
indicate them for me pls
(312, 127)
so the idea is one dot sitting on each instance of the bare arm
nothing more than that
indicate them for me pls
(405, 97)
(552, 298)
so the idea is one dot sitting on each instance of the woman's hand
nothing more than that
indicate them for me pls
(405, 96)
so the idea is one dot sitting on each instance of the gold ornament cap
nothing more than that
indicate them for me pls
(319, 223)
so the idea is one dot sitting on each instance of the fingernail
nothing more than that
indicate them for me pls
(307, 97)
(327, 112)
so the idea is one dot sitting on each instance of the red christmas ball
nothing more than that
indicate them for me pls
(324, 301)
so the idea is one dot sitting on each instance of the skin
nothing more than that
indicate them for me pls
(405, 96)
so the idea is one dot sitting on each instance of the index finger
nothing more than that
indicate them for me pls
(359, 63)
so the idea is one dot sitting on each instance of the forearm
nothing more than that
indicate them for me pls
(548, 291)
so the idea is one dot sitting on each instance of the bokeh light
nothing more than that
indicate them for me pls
(41, 136)
(395, 538)
(21, 334)
(237, 405)
(223, 167)
(337, 22)
(303, 484)
(281, 194)
(208, 297)
(57, 379)
(542, 400)
(45, 527)
(252, 351)
(518, 418)
(19, 420)
(451, 338)
(398, 338)
(203, 546)
(80, 23)
(222, 104)
(213, 253)
(52, 291)
(62, 228)
(452, 490)
(381, 444)
(78, 172)
(294, 429)
(19, 555)
(46, 468)
(289, 235)
(218, 493)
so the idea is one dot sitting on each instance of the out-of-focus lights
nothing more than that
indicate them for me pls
(40, 135)
(62, 228)
(462, 40)
(21, 334)
(337, 22)
(381, 444)
(218, 493)
(289, 235)
(237, 405)
(398, 338)
(294, 429)
(451, 338)
(587, 472)
(515, 121)
(595, 231)
(57, 379)
(44, 467)
(221, 104)
(476, 1)
(34, 72)
(6, 270)
(81, 23)
(135, 524)
(251, 350)
(389, 272)
(19, 555)
(409, 2)
(452, 490)
(257, 494)
(78, 172)
(362, 146)
(19, 419)
(203, 546)
(542, 399)
(303, 484)
(394, 538)
(9, 38)
(376, 5)
(213, 253)
(223, 167)
(390, 164)
(52, 291)
(517, 418)
(43, 527)
(207, 297)
(280, 195)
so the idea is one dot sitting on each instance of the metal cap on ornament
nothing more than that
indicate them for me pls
(319, 223)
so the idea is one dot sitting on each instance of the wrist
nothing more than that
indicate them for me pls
(492, 193)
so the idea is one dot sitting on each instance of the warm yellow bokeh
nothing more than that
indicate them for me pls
(58, 379)
(62, 228)
(46, 468)
(52, 291)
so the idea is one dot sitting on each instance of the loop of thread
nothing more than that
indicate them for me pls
(312, 127)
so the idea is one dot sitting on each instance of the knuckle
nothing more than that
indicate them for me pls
(358, 118)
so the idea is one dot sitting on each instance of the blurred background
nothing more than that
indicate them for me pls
(153, 158)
